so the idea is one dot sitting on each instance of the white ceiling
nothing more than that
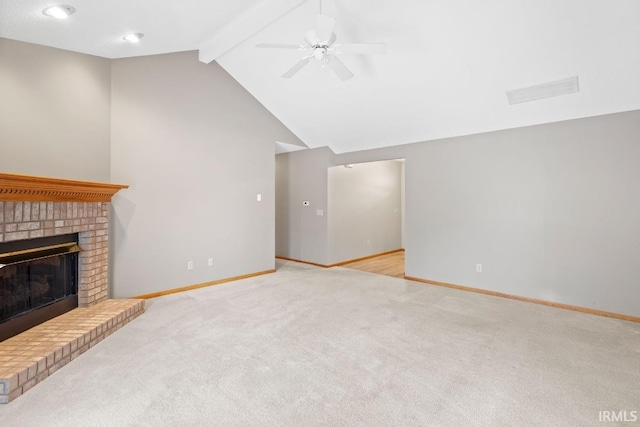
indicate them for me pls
(448, 66)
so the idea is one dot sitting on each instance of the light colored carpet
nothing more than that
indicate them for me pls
(339, 347)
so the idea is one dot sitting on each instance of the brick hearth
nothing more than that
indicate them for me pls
(32, 356)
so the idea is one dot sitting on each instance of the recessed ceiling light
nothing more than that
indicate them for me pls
(59, 11)
(134, 37)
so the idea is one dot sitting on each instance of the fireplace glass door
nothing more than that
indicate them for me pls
(31, 284)
(37, 284)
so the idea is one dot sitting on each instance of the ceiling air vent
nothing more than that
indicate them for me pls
(545, 90)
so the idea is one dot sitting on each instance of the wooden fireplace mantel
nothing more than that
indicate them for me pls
(25, 188)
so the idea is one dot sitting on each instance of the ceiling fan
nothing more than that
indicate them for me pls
(320, 44)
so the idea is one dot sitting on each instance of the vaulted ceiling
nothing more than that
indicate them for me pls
(447, 67)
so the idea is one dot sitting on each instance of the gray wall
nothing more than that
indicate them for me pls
(196, 149)
(364, 211)
(550, 211)
(194, 146)
(54, 112)
(302, 176)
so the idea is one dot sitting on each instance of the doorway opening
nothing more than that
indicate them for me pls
(366, 205)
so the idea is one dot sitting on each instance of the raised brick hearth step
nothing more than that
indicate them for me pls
(32, 356)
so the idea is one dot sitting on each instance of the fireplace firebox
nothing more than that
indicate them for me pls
(38, 281)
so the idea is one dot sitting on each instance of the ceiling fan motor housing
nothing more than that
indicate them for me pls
(319, 52)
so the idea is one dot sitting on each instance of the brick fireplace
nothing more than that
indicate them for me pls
(34, 207)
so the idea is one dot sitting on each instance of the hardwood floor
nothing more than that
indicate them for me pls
(388, 265)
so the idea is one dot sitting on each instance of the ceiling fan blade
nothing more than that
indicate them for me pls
(299, 65)
(363, 48)
(279, 45)
(325, 27)
(339, 68)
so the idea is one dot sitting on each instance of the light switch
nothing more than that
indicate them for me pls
(259, 197)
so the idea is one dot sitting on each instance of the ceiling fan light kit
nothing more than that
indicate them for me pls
(320, 45)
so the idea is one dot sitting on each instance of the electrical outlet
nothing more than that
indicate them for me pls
(210, 262)
(190, 265)
(479, 268)
(319, 212)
